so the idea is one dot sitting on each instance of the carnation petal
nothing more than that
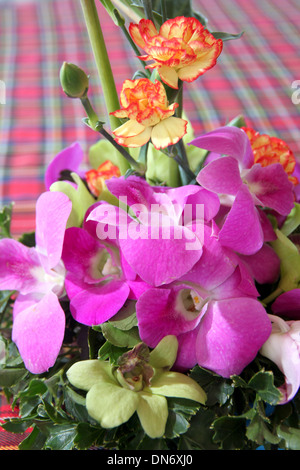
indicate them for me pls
(137, 140)
(168, 76)
(168, 132)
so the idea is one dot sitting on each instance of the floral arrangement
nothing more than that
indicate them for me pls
(157, 304)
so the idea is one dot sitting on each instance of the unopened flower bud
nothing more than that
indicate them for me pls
(74, 81)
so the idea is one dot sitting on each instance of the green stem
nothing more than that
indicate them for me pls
(96, 125)
(148, 10)
(164, 11)
(272, 296)
(101, 59)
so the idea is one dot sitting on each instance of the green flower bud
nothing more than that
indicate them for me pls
(74, 81)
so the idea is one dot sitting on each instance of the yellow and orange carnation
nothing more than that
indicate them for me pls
(96, 178)
(182, 49)
(150, 117)
(268, 150)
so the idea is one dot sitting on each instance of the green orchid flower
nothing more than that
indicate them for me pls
(140, 382)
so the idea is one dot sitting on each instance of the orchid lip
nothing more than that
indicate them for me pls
(190, 303)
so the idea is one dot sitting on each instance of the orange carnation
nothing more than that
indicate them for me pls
(96, 178)
(150, 116)
(268, 150)
(182, 48)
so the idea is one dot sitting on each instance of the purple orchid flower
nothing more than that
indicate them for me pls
(69, 158)
(99, 280)
(283, 348)
(288, 304)
(37, 274)
(160, 242)
(213, 310)
(244, 186)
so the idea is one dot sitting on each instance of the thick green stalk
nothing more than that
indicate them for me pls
(101, 60)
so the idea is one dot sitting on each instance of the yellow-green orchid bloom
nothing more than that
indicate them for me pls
(140, 384)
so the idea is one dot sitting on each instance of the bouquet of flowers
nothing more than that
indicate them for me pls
(157, 303)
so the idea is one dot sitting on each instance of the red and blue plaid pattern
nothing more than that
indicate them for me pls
(253, 77)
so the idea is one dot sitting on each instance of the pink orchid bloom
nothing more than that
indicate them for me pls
(67, 160)
(38, 274)
(283, 348)
(98, 280)
(212, 310)
(158, 259)
(244, 186)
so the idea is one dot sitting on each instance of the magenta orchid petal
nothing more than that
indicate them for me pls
(271, 187)
(20, 267)
(186, 354)
(95, 305)
(22, 302)
(263, 265)
(239, 284)
(161, 312)
(135, 189)
(230, 335)
(38, 332)
(203, 203)
(288, 304)
(283, 348)
(82, 255)
(242, 230)
(158, 260)
(230, 141)
(267, 227)
(216, 264)
(221, 176)
(52, 213)
(68, 159)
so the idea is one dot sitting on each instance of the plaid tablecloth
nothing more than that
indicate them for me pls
(253, 77)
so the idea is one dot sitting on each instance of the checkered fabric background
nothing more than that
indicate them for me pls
(253, 77)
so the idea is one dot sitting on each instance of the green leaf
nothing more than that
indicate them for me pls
(218, 390)
(125, 319)
(290, 262)
(61, 437)
(199, 436)
(291, 437)
(111, 352)
(292, 221)
(230, 432)
(263, 383)
(259, 432)
(226, 36)
(28, 239)
(35, 440)
(121, 338)
(10, 377)
(87, 435)
(5, 221)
